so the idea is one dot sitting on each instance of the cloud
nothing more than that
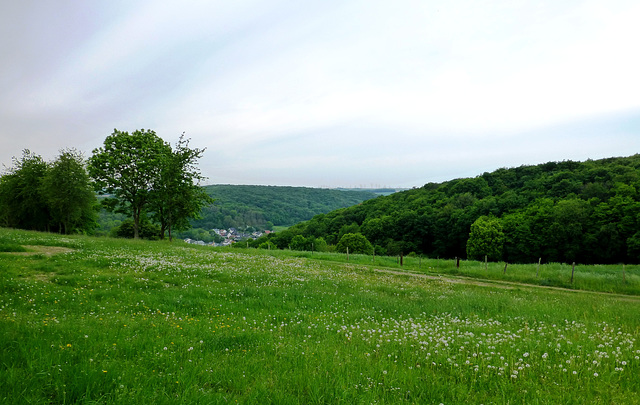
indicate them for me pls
(328, 92)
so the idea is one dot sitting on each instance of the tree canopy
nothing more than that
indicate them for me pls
(129, 167)
(239, 206)
(587, 212)
(178, 195)
(486, 239)
(143, 175)
(38, 195)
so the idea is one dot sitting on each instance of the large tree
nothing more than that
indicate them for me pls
(129, 167)
(178, 195)
(67, 190)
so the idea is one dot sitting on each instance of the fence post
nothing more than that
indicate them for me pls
(457, 262)
(485, 263)
(573, 268)
(538, 268)
(347, 253)
(505, 268)
(401, 259)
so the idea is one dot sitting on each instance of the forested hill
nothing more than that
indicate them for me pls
(239, 206)
(566, 211)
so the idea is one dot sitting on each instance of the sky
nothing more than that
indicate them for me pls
(331, 93)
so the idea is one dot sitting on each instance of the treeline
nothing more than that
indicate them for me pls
(142, 177)
(262, 207)
(587, 212)
(52, 196)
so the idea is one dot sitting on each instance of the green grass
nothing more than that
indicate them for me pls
(11, 247)
(602, 278)
(130, 322)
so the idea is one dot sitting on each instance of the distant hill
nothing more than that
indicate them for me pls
(239, 206)
(565, 211)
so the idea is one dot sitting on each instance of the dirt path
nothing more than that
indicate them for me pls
(510, 285)
(39, 250)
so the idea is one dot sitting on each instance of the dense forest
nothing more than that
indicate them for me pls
(241, 207)
(262, 207)
(587, 212)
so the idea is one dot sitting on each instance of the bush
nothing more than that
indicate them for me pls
(147, 230)
(356, 242)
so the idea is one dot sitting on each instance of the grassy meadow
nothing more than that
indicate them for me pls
(615, 279)
(106, 321)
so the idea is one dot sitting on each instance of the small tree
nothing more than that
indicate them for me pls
(356, 242)
(299, 242)
(486, 238)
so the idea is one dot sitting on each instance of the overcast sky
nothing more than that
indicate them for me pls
(327, 93)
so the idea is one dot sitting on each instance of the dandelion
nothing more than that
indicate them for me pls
(595, 374)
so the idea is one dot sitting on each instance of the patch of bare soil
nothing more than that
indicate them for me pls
(42, 250)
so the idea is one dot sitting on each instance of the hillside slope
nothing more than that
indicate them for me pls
(559, 211)
(261, 206)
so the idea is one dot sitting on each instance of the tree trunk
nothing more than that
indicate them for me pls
(136, 223)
